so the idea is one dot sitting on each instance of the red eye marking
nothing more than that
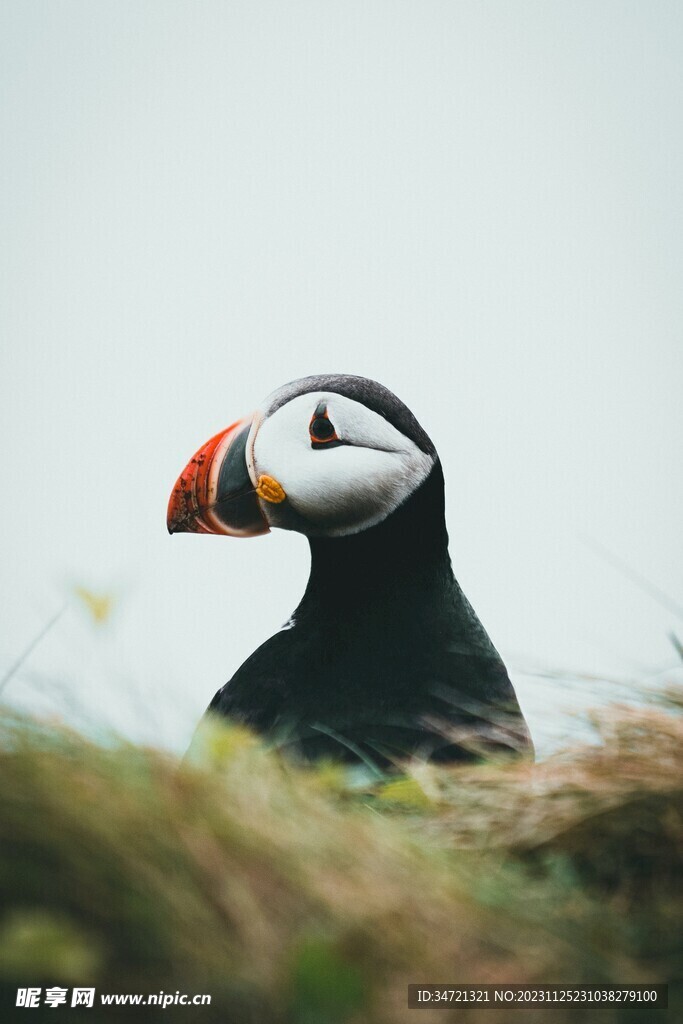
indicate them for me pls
(321, 429)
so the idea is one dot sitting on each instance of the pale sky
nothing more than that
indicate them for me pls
(479, 204)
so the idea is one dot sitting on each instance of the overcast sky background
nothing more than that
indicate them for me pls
(479, 204)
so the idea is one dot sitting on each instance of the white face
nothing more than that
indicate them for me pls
(339, 489)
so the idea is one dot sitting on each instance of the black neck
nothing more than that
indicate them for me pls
(393, 581)
(402, 561)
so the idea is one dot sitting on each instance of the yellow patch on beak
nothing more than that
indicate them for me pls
(270, 490)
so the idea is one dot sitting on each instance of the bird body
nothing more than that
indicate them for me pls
(384, 658)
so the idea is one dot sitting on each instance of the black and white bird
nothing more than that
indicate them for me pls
(384, 658)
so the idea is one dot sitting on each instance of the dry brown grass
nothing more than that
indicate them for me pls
(291, 898)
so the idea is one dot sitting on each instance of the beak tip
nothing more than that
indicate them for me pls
(176, 510)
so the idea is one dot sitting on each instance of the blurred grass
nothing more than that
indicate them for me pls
(294, 899)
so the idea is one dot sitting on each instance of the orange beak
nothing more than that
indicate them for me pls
(214, 493)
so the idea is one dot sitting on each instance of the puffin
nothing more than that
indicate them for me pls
(384, 660)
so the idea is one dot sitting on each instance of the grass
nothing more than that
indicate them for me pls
(294, 899)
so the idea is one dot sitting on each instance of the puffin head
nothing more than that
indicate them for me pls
(327, 456)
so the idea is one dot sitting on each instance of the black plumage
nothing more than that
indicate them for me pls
(384, 658)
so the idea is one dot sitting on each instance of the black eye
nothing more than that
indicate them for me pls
(322, 429)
